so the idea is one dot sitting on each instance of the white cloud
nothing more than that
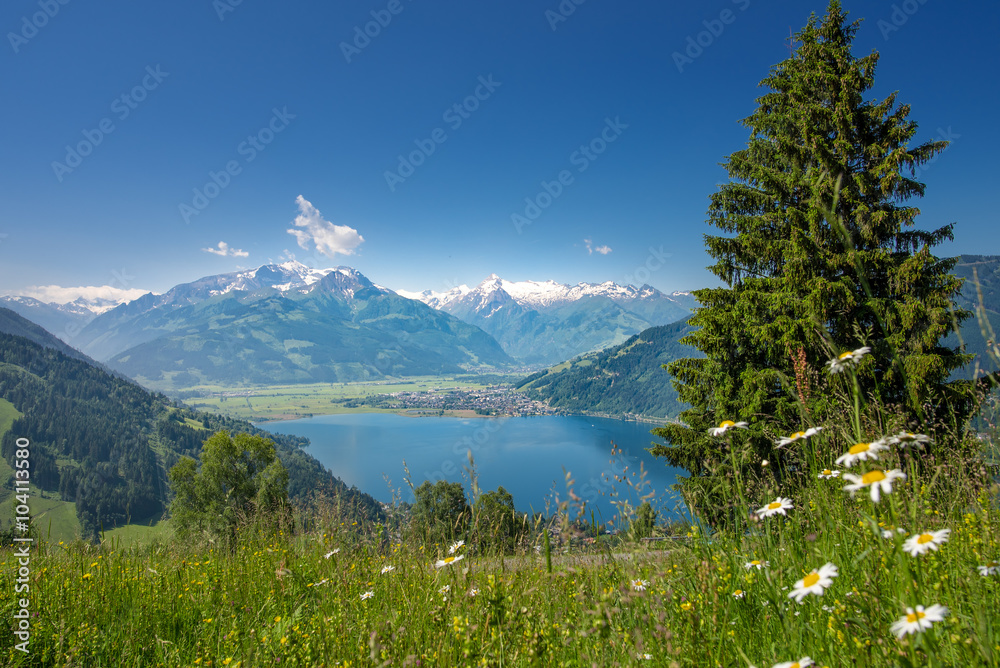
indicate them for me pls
(603, 250)
(56, 294)
(328, 238)
(225, 251)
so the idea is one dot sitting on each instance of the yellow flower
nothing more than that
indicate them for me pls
(686, 605)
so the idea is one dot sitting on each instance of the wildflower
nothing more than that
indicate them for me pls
(798, 436)
(801, 663)
(331, 553)
(755, 564)
(764, 463)
(918, 620)
(886, 533)
(367, 595)
(991, 568)
(779, 505)
(827, 473)
(848, 359)
(814, 583)
(640, 585)
(455, 547)
(686, 605)
(739, 593)
(905, 438)
(878, 481)
(447, 561)
(473, 591)
(645, 656)
(444, 590)
(726, 425)
(861, 452)
(388, 569)
(924, 542)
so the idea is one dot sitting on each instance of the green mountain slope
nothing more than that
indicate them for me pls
(982, 276)
(624, 379)
(105, 444)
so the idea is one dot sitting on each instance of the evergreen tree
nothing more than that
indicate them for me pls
(817, 257)
(441, 513)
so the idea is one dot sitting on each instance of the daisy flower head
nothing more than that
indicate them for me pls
(925, 542)
(779, 505)
(445, 589)
(331, 553)
(739, 593)
(448, 561)
(367, 595)
(918, 620)
(455, 547)
(756, 563)
(388, 569)
(877, 481)
(905, 438)
(887, 533)
(798, 436)
(814, 583)
(861, 452)
(473, 592)
(640, 585)
(725, 426)
(828, 473)
(846, 360)
(992, 568)
(801, 663)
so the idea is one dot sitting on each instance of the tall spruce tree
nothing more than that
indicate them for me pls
(817, 258)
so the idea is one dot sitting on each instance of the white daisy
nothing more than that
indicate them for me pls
(447, 561)
(445, 589)
(801, 663)
(992, 568)
(848, 359)
(779, 505)
(331, 553)
(388, 569)
(878, 481)
(473, 591)
(827, 473)
(725, 426)
(814, 583)
(918, 620)
(861, 452)
(455, 547)
(756, 564)
(887, 533)
(924, 542)
(798, 436)
(640, 585)
(645, 657)
(905, 438)
(367, 595)
(739, 593)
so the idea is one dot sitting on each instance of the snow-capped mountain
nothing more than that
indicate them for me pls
(545, 322)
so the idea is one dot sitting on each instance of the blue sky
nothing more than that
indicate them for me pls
(161, 96)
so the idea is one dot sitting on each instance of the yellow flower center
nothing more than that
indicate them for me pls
(925, 538)
(827, 472)
(915, 616)
(872, 477)
(796, 665)
(858, 448)
(842, 356)
(448, 560)
(727, 423)
(755, 563)
(810, 580)
(773, 505)
(738, 592)
(797, 435)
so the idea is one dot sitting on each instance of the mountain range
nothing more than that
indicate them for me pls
(542, 323)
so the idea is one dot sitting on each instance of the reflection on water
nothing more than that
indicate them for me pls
(529, 456)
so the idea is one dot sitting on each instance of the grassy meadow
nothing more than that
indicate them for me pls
(339, 594)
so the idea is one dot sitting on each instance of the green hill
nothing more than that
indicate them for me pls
(104, 444)
(624, 379)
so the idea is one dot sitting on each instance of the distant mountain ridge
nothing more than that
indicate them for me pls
(284, 323)
(547, 322)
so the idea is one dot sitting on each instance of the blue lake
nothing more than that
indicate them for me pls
(528, 456)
